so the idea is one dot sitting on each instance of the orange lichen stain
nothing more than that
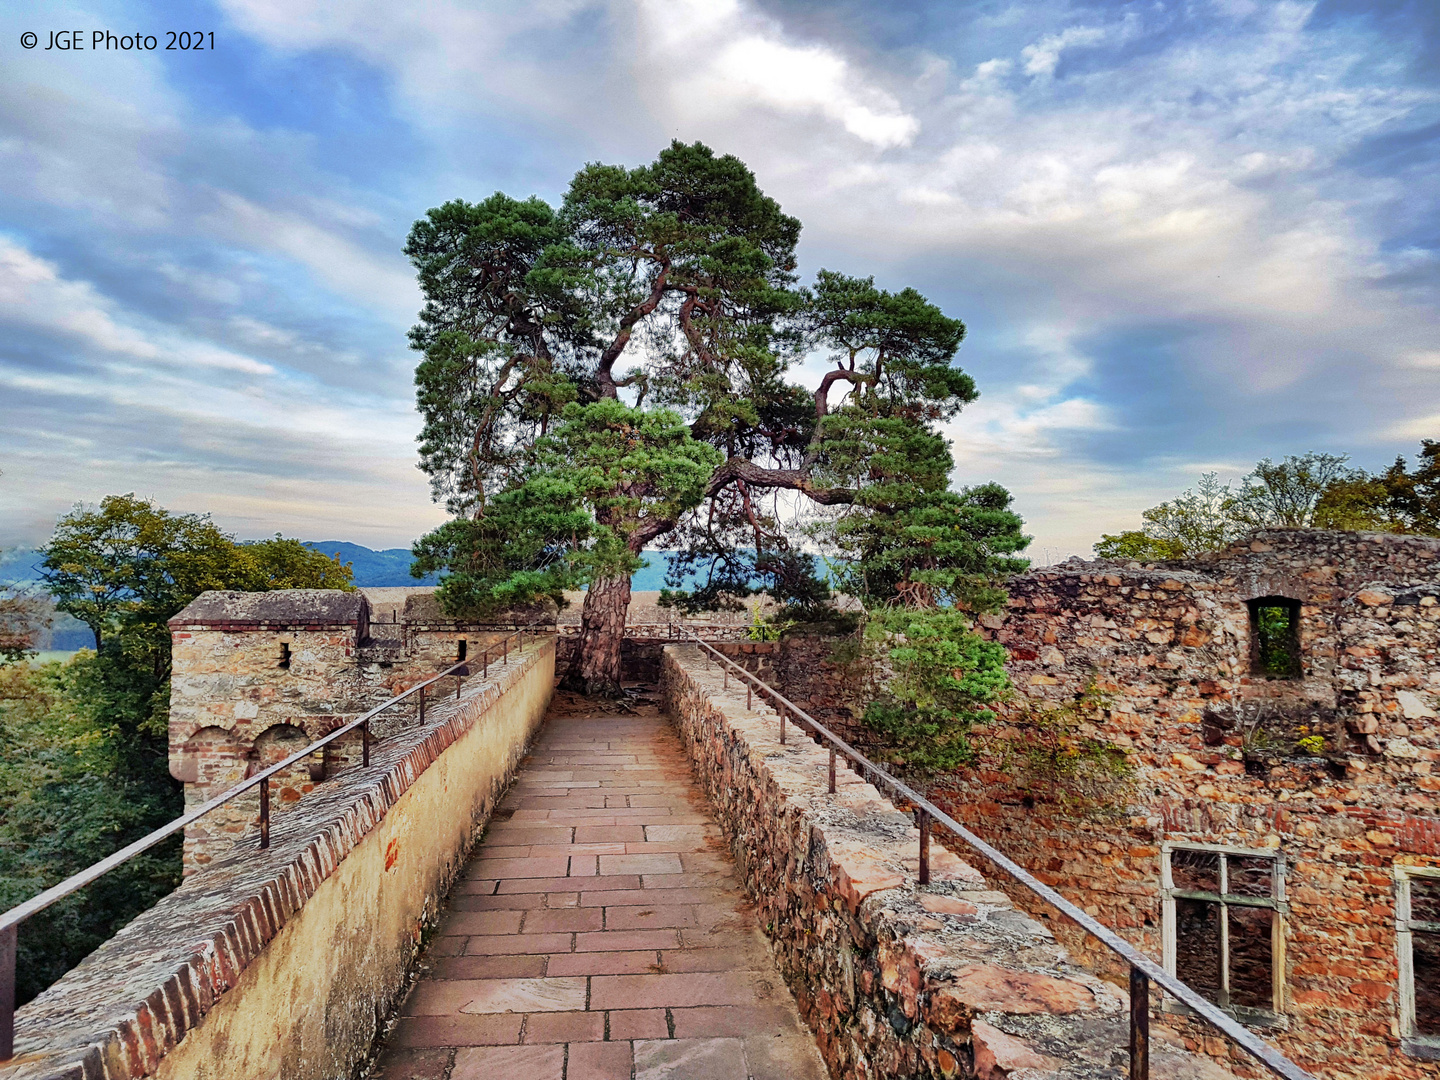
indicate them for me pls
(392, 853)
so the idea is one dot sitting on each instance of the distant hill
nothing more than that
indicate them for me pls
(20, 566)
(392, 566)
(373, 568)
(388, 567)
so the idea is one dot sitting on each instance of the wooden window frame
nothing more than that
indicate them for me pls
(1412, 1042)
(1276, 902)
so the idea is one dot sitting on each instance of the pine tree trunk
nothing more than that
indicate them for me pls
(595, 667)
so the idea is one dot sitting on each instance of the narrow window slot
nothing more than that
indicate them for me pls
(1275, 637)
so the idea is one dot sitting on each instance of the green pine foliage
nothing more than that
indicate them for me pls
(943, 681)
(607, 478)
(673, 285)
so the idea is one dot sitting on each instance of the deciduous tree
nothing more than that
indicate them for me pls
(1305, 491)
(83, 745)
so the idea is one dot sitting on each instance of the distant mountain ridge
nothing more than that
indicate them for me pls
(374, 569)
(387, 567)
(20, 566)
(391, 567)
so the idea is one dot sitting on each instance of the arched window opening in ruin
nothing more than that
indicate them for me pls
(279, 741)
(1223, 930)
(1417, 896)
(211, 757)
(1275, 637)
(285, 655)
(460, 651)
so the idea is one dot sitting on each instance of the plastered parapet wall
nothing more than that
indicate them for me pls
(948, 980)
(283, 962)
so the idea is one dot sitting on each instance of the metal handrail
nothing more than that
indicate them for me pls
(11, 920)
(1143, 970)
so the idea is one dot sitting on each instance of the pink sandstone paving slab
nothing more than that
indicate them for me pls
(600, 932)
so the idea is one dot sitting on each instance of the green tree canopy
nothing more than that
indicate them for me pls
(606, 481)
(83, 745)
(674, 284)
(129, 562)
(1306, 491)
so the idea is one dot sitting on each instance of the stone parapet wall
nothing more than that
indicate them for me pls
(811, 670)
(895, 980)
(284, 962)
(643, 644)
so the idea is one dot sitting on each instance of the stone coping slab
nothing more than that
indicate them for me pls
(894, 979)
(120, 1011)
(307, 608)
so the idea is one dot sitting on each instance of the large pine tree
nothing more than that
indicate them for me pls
(674, 285)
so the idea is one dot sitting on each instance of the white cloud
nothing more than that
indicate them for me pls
(689, 59)
(343, 265)
(1042, 58)
(1196, 183)
(1201, 183)
(755, 66)
(33, 293)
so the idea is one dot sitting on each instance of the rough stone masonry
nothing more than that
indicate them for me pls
(895, 979)
(1277, 701)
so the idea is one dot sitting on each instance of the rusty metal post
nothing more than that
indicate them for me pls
(781, 710)
(365, 745)
(727, 678)
(9, 943)
(922, 822)
(486, 669)
(1139, 1025)
(265, 812)
(507, 651)
(422, 704)
(748, 691)
(832, 770)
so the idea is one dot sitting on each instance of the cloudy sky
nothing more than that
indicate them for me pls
(1183, 234)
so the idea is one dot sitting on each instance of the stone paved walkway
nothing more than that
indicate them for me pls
(600, 933)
